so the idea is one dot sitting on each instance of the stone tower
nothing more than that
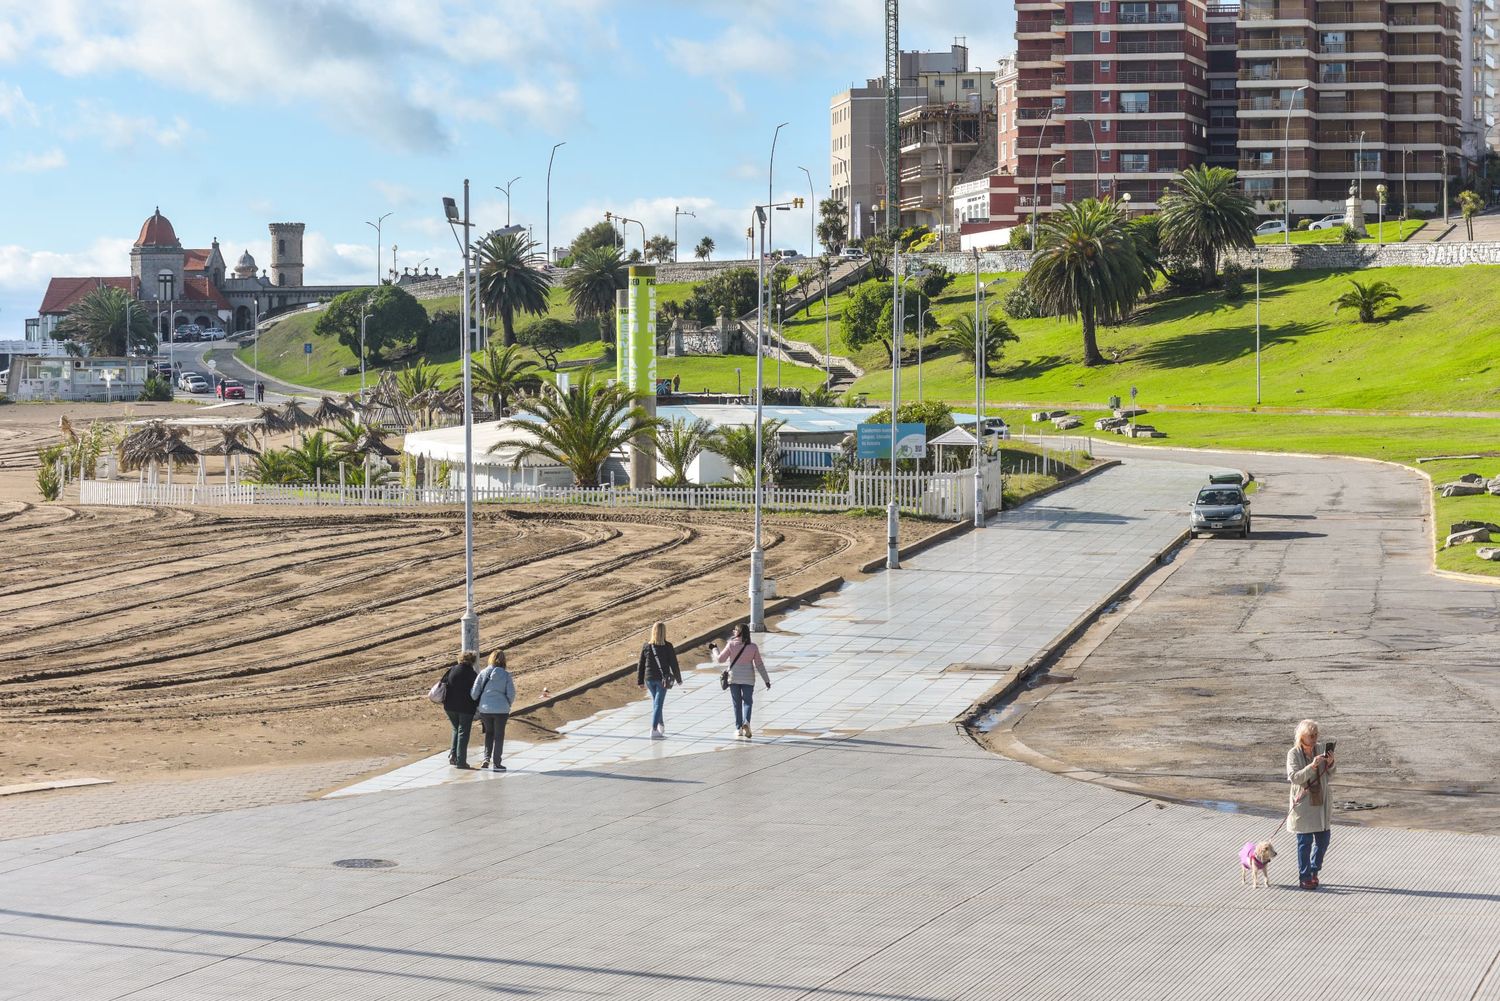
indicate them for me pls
(286, 253)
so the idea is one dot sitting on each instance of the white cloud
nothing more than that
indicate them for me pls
(34, 163)
(15, 109)
(24, 268)
(740, 48)
(121, 132)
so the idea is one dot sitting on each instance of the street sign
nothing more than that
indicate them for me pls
(873, 441)
(307, 348)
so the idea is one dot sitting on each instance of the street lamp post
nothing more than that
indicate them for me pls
(506, 189)
(1445, 185)
(848, 198)
(255, 351)
(469, 624)
(376, 226)
(166, 288)
(812, 215)
(1380, 190)
(978, 392)
(1257, 257)
(771, 194)
(1286, 167)
(898, 334)
(1125, 201)
(1359, 169)
(1036, 176)
(362, 317)
(549, 200)
(1404, 202)
(677, 213)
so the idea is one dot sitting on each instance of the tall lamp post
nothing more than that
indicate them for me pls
(550, 157)
(770, 193)
(506, 189)
(979, 333)
(757, 550)
(1258, 257)
(812, 215)
(1036, 176)
(166, 288)
(898, 334)
(1286, 167)
(677, 213)
(848, 199)
(255, 351)
(376, 226)
(1380, 190)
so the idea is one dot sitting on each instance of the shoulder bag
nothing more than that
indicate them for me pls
(724, 675)
(666, 679)
(439, 692)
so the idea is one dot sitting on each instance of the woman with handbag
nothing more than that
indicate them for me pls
(460, 707)
(743, 658)
(657, 671)
(495, 691)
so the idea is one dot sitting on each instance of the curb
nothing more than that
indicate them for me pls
(1002, 689)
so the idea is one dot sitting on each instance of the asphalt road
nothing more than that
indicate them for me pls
(1329, 611)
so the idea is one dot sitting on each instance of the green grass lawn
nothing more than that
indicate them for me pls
(1449, 510)
(1390, 231)
(1435, 350)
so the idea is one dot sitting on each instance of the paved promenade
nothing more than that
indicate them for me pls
(896, 862)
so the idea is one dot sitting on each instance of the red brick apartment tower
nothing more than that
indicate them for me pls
(1123, 90)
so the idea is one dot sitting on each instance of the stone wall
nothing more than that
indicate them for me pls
(1346, 257)
(990, 261)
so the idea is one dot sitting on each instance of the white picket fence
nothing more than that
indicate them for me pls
(808, 458)
(947, 496)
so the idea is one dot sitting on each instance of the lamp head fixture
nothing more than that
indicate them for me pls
(450, 209)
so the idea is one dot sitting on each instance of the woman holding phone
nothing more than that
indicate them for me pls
(743, 658)
(1309, 768)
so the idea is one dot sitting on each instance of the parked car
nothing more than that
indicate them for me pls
(1273, 226)
(1221, 509)
(1327, 222)
(230, 389)
(786, 255)
(215, 334)
(852, 254)
(164, 368)
(996, 426)
(192, 382)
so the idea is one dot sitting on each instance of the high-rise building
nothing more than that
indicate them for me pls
(1223, 92)
(1337, 94)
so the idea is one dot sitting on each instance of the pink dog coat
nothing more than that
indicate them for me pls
(1248, 858)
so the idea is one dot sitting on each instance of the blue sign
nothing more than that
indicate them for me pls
(873, 441)
(307, 347)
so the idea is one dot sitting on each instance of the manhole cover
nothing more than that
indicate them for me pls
(365, 863)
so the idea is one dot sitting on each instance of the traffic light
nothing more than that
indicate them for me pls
(797, 202)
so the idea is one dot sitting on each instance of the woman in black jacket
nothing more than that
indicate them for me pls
(657, 671)
(460, 707)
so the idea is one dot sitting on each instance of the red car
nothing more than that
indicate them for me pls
(229, 389)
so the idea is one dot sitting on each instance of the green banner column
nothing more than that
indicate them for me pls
(639, 366)
(622, 335)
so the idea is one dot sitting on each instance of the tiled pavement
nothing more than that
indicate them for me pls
(894, 650)
(893, 864)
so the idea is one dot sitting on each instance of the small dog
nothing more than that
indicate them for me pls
(1255, 862)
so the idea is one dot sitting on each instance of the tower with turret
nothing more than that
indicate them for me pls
(286, 253)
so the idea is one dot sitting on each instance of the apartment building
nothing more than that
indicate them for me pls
(1223, 87)
(1482, 18)
(1341, 93)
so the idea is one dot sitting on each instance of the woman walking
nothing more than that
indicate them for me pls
(656, 672)
(743, 658)
(495, 691)
(458, 703)
(1309, 767)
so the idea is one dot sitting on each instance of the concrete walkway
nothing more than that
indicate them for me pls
(895, 650)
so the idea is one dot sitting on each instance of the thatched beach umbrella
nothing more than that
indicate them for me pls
(330, 411)
(297, 418)
(272, 421)
(231, 443)
(146, 446)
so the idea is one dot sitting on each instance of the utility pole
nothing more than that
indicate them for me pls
(677, 213)
(892, 121)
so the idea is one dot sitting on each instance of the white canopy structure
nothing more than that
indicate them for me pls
(491, 468)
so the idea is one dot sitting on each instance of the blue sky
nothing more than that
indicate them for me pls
(233, 115)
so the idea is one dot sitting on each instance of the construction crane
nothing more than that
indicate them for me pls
(892, 113)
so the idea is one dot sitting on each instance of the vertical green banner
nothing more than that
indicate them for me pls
(640, 372)
(622, 336)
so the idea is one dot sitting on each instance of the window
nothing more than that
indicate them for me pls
(1104, 97)
(1104, 66)
(1261, 188)
(1105, 154)
(280, 246)
(968, 85)
(1104, 38)
(1135, 163)
(1135, 102)
(1104, 6)
(1104, 125)
(1369, 160)
(1004, 151)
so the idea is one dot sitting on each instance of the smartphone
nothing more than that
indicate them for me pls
(1328, 747)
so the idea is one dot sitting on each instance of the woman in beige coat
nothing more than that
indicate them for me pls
(1309, 768)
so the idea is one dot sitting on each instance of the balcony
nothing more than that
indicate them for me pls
(1218, 36)
(1366, 103)
(1353, 46)
(1039, 26)
(1295, 72)
(1168, 16)
(1163, 108)
(1269, 103)
(1427, 105)
(1421, 76)
(1130, 47)
(1415, 134)
(1276, 133)
(1350, 14)
(1327, 74)
(1422, 19)
(1161, 137)
(1404, 45)
(1299, 160)
(1149, 76)
(1252, 11)
(1281, 43)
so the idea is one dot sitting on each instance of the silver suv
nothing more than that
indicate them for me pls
(1221, 509)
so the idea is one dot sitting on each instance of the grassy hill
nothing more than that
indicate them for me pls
(1436, 350)
(281, 354)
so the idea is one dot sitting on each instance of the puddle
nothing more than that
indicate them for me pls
(1048, 679)
(1354, 806)
(1219, 805)
(1254, 589)
(995, 717)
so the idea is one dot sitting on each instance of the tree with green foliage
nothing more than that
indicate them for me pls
(878, 249)
(863, 312)
(510, 279)
(660, 248)
(392, 317)
(418, 379)
(274, 465)
(442, 334)
(499, 374)
(582, 428)
(601, 234)
(728, 293)
(549, 338)
(1020, 237)
(156, 389)
(99, 321)
(1470, 204)
(936, 415)
(959, 336)
(1087, 266)
(737, 445)
(705, 249)
(596, 276)
(678, 443)
(1365, 299)
(315, 459)
(833, 225)
(1204, 213)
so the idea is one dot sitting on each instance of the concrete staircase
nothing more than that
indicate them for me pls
(841, 371)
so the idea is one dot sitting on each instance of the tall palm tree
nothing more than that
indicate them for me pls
(499, 373)
(1203, 214)
(737, 446)
(1469, 204)
(705, 249)
(509, 280)
(1087, 267)
(418, 379)
(98, 320)
(597, 274)
(1366, 299)
(959, 335)
(315, 459)
(580, 429)
(678, 443)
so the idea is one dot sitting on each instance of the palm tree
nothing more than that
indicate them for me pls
(678, 443)
(418, 379)
(705, 249)
(737, 446)
(959, 335)
(274, 465)
(499, 374)
(1366, 299)
(597, 274)
(1469, 204)
(315, 459)
(99, 321)
(1203, 214)
(1087, 266)
(509, 280)
(580, 429)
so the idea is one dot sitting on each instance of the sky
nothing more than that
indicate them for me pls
(232, 115)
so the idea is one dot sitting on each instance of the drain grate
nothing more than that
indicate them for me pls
(365, 863)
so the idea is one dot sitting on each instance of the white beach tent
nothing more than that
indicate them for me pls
(492, 469)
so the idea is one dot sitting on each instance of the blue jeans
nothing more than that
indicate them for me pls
(658, 693)
(1310, 851)
(744, 701)
(462, 723)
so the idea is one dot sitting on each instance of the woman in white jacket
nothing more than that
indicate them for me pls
(495, 691)
(743, 658)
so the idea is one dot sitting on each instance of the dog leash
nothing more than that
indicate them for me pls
(1288, 816)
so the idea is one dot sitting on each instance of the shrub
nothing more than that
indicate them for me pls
(1233, 278)
(442, 333)
(1303, 224)
(156, 389)
(1347, 234)
(1020, 304)
(1020, 238)
(48, 482)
